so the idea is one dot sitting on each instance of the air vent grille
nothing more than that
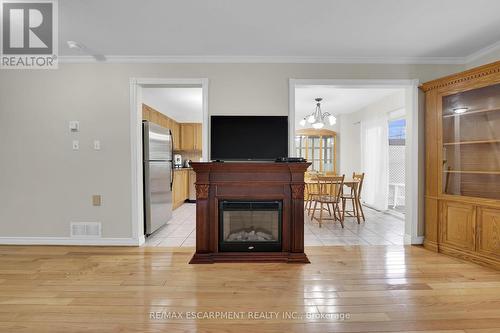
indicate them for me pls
(85, 229)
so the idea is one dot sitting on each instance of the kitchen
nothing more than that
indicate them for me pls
(176, 111)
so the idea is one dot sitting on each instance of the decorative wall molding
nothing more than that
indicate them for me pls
(202, 191)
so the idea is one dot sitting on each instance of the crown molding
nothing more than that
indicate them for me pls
(483, 52)
(136, 59)
(263, 59)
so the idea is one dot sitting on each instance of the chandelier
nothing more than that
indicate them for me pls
(317, 118)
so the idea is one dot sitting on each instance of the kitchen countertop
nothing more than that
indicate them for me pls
(180, 169)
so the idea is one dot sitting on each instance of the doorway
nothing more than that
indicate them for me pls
(364, 145)
(152, 90)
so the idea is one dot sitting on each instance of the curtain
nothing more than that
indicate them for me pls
(375, 161)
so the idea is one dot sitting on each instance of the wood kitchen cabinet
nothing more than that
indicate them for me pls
(191, 137)
(180, 190)
(462, 173)
(192, 186)
(185, 136)
(176, 134)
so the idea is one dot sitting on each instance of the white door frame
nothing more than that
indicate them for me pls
(414, 158)
(136, 85)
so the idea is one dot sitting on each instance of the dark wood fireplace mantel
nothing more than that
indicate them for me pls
(249, 181)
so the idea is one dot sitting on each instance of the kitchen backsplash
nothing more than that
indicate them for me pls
(193, 155)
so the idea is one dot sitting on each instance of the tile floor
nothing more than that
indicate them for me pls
(379, 229)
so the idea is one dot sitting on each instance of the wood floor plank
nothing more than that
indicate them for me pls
(345, 289)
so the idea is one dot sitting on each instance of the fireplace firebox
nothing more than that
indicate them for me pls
(250, 226)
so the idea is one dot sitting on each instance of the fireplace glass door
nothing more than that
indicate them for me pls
(250, 226)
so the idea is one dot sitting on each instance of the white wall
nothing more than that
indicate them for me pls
(350, 136)
(44, 184)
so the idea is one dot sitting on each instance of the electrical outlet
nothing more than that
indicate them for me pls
(97, 145)
(96, 200)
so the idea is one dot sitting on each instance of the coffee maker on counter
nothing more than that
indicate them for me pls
(177, 161)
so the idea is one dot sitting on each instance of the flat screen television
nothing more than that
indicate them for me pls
(248, 138)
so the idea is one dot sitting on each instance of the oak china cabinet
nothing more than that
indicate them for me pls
(319, 147)
(462, 133)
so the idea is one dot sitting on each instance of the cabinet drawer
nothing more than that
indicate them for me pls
(488, 231)
(458, 224)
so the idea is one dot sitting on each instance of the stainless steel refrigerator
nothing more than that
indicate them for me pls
(158, 175)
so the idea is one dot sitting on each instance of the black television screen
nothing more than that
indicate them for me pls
(260, 138)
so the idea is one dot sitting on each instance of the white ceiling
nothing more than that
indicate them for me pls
(184, 105)
(336, 100)
(296, 28)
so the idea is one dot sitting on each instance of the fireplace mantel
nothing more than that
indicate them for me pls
(249, 181)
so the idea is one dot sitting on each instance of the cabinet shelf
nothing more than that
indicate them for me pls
(473, 172)
(469, 113)
(470, 142)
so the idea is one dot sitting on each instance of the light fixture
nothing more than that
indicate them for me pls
(332, 120)
(460, 110)
(318, 125)
(74, 45)
(317, 118)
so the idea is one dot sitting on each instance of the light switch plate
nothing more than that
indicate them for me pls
(97, 145)
(74, 126)
(76, 145)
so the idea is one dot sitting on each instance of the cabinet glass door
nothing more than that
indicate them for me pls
(327, 153)
(471, 143)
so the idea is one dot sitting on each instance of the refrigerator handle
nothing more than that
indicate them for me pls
(171, 161)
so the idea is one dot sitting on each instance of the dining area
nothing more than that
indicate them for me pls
(342, 207)
(335, 215)
(334, 197)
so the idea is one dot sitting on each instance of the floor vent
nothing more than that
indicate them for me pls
(85, 229)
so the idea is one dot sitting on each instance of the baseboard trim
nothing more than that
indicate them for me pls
(72, 241)
(431, 246)
(470, 256)
(417, 240)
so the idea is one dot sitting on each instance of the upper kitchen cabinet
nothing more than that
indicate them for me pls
(198, 136)
(191, 137)
(150, 114)
(176, 134)
(462, 173)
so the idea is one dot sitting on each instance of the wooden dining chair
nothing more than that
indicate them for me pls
(312, 190)
(330, 191)
(354, 196)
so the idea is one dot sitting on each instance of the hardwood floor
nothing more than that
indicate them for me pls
(377, 288)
